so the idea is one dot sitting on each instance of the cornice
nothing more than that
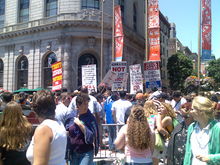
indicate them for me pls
(53, 26)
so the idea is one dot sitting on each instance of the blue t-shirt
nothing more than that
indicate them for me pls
(108, 111)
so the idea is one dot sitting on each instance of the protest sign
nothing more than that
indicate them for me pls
(120, 83)
(89, 77)
(136, 78)
(57, 76)
(152, 74)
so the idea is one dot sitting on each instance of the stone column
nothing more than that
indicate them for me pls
(67, 63)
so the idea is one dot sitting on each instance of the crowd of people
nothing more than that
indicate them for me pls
(156, 126)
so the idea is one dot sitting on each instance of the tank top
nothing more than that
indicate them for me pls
(58, 143)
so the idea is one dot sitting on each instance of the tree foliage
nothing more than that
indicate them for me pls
(179, 68)
(213, 70)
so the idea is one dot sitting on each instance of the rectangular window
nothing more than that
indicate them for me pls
(51, 8)
(90, 4)
(2, 13)
(24, 11)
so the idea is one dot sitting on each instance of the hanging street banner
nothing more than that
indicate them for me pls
(153, 31)
(89, 77)
(109, 79)
(206, 29)
(120, 83)
(57, 77)
(152, 74)
(136, 79)
(119, 36)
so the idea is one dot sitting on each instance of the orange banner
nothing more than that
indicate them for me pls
(119, 36)
(153, 31)
(57, 76)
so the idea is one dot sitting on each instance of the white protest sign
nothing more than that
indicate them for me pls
(108, 79)
(136, 78)
(119, 83)
(89, 77)
(152, 74)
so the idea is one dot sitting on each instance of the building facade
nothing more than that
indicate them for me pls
(36, 33)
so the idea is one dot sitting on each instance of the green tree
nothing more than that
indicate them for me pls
(179, 68)
(213, 70)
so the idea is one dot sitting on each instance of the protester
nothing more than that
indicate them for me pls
(203, 137)
(6, 98)
(165, 120)
(137, 139)
(15, 135)
(109, 120)
(119, 108)
(48, 144)
(83, 134)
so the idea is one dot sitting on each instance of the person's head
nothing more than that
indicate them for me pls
(162, 97)
(150, 108)
(44, 104)
(122, 94)
(138, 132)
(202, 108)
(14, 127)
(167, 110)
(66, 98)
(7, 97)
(177, 96)
(84, 90)
(82, 102)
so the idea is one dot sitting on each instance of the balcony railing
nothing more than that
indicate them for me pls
(84, 15)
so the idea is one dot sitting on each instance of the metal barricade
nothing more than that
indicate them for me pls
(107, 152)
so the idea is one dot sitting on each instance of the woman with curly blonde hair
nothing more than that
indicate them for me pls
(15, 135)
(166, 120)
(136, 137)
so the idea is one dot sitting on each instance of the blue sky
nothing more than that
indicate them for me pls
(184, 13)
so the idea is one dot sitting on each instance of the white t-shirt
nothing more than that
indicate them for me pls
(120, 107)
(177, 105)
(61, 112)
(57, 146)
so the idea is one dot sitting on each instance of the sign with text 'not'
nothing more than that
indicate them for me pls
(57, 76)
(120, 83)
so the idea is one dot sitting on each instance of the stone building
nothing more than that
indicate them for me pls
(36, 33)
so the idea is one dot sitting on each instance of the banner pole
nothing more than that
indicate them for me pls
(102, 35)
(146, 31)
(199, 44)
(113, 30)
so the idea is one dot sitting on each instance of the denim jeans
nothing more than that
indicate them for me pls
(111, 137)
(82, 158)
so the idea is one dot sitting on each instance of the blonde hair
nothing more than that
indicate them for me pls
(170, 110)
(205, 105)
(150, 108)
(139, 133)
(15, 130)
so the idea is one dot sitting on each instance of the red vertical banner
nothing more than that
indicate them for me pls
(57, 76)
(153, 31)
(206, 29)
(119, 36)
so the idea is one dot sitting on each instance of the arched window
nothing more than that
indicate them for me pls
(51, 8)
(47, 71)
(22, 69)
(93, 4)
(1, 72)
(86, 59)
(134, 17)
(24, 11)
